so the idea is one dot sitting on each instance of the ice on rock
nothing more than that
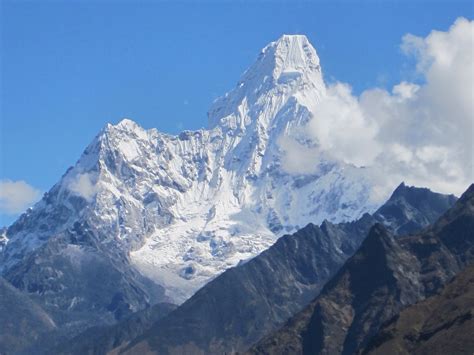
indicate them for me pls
(188, 207)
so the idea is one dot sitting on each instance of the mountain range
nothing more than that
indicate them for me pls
(210, 242)
(246, 302)
(383, 278)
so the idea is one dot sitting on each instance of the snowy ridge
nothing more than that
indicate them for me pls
(188, 207)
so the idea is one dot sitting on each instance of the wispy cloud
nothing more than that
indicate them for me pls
(17, 196)
(83, 185)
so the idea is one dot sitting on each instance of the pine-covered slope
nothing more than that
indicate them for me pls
(383, 277)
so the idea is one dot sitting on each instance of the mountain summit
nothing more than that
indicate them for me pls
(286, 70)
(293, 53)
(290, 57)
(182, 209)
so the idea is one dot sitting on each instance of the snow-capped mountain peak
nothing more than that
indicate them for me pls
(287, 72)
(187, 207)
(127, 124)
(289, 54)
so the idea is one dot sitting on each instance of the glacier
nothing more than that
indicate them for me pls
(187, 207)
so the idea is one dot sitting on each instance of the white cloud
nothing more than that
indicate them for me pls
(306, 155)
(342, 130)
(16, 196)
(83, 185)
(418, 133)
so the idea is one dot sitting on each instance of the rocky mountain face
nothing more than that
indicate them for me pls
(247, 302)
(384, 276)
(79, 283)
(440, 324)
(410, 209)
(22, 321)
(182, 209)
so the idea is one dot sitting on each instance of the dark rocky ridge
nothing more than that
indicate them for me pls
(409, 209)
(383, 277)
(244, 303)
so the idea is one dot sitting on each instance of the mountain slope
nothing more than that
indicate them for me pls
(185, 208)
(79, 283)
(22, 321)
(101, 339)
(246, 302)
(384, 276)
(440, 324)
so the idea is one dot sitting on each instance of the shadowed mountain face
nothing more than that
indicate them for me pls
(383, 277)
(440, 324)
(80, 282)
(246, 302)
(101, 339)
(22, 321)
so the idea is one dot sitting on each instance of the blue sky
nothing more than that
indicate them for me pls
(68, 68)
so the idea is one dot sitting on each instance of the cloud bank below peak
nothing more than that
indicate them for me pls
(418, 133)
